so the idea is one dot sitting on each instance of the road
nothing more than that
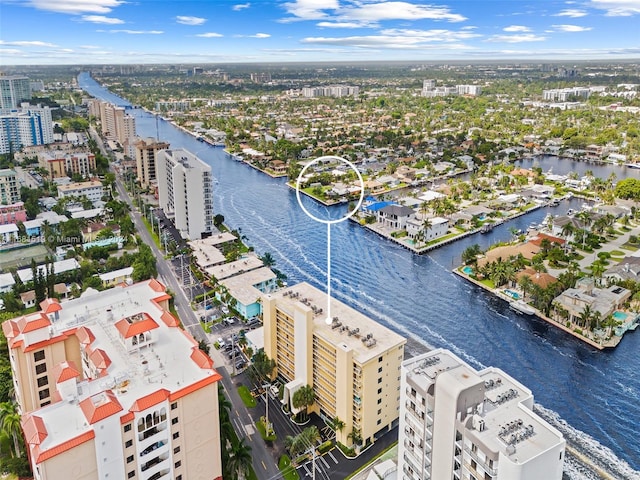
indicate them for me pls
(263, 461)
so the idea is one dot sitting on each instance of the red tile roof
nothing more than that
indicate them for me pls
(201, 359)
(150, 400)
(136, 324)
(537, 240)
(126, 418)
(85, 336)
(10, 329)
(156, 285)
(170, 320)
(100, 359)
(50, 305)
(100, 406)
(65, 371)
(34, 430)
(161, 298)
(35, 321)
(63, 447)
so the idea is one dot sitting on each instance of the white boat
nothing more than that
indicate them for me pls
(522, 307)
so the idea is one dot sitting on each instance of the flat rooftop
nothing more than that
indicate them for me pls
(170, 363)
(246, 264)
(509, 421)
(217, 239)
(242, 287)
(349, 328)
(206, 254)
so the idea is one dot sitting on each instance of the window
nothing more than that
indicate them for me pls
(131, 474)
(41, 368)
(179, 477)
(44, 404)
(38, 356)
(43, 394)
(127, 427)
(42, 381)
(128, 443)
(379, 359)
(178, 464)
(174, 421)
(380, 380)
(176, 450)
(379, 401)
(174, 405)
(130, 459)
(379, 391)
(176, 435)
(379, 421)
(380, 370)
(379, 411)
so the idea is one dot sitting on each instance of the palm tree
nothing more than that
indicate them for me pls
(355, 436)
(268, 260)
(10, 425)
(239, 463)
(304, 398)
(525, 284)
(585, 316)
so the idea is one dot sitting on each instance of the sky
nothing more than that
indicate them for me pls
(38, 32)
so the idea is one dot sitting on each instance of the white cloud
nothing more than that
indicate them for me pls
(516, 28)
(28, 43)
(257, 35)
(185, 20)
(571, 28)
(617, 8)
(135, 32)
(571, 12)
(525, 37)
(209, 35)
(101, 19)
(241, 6)
(343, 24)
(76, 6)
(366, 11)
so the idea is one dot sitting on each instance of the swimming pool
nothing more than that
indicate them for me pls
(620, 316)
(512, 294)
(468, 270)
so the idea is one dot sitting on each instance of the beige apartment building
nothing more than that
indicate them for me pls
(9, 189)
(462, 424)
(352, 363)
(110, 387)
(146, 151)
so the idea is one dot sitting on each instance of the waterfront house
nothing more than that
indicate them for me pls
(394, 216)
(541, 279)
(438, 226)
(603, 300)
(527, 250)
(478, 211)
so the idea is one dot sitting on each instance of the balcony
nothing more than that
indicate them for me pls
(490, 470)
(156, 447)
(154, 461)
(152, 431)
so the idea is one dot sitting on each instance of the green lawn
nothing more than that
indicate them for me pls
(288, 472)
(245, 395)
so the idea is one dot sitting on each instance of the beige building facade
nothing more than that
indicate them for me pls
(110, 386)
(352, 362)
(146, 151)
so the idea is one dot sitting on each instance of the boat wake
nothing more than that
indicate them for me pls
(586, 457)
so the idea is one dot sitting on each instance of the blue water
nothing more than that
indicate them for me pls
(595, 392)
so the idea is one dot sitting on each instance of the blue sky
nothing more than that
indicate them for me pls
(172, 31)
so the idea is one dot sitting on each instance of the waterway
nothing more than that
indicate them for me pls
(596, 392)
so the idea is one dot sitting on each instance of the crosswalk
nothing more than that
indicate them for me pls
(322, 465)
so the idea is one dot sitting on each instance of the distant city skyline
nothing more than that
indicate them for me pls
(151, 31)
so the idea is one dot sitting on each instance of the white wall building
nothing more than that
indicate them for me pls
(456, 422)
(93, 190)
(185, 189)
(24, 127)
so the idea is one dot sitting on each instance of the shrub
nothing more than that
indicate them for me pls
(325, 447)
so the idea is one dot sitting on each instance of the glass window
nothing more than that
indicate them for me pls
(38, 356)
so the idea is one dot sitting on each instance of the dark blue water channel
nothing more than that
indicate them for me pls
(597, 393)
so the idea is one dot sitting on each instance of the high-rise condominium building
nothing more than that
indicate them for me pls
(110, 387)
(24, 127)
(185, 189)
(146, 151)
(9, 190)
(13, 91)
(352, 364)
(457, 423)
